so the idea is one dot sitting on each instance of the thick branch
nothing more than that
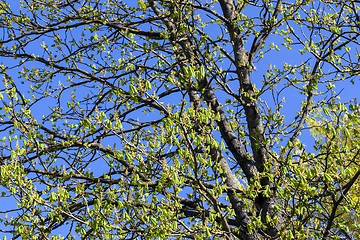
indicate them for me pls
(253, 117)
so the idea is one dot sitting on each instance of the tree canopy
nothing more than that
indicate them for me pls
(179, 119)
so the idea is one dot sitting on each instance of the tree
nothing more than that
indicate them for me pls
(165, 119)
(337, 127)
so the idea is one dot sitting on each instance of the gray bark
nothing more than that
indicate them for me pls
(265, 205)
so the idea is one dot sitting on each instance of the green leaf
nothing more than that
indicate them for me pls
(133, 89)
(191, 72)
(222, 146)
(148, 85)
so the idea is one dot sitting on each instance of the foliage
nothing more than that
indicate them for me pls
(337, 127)
(167, 119)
